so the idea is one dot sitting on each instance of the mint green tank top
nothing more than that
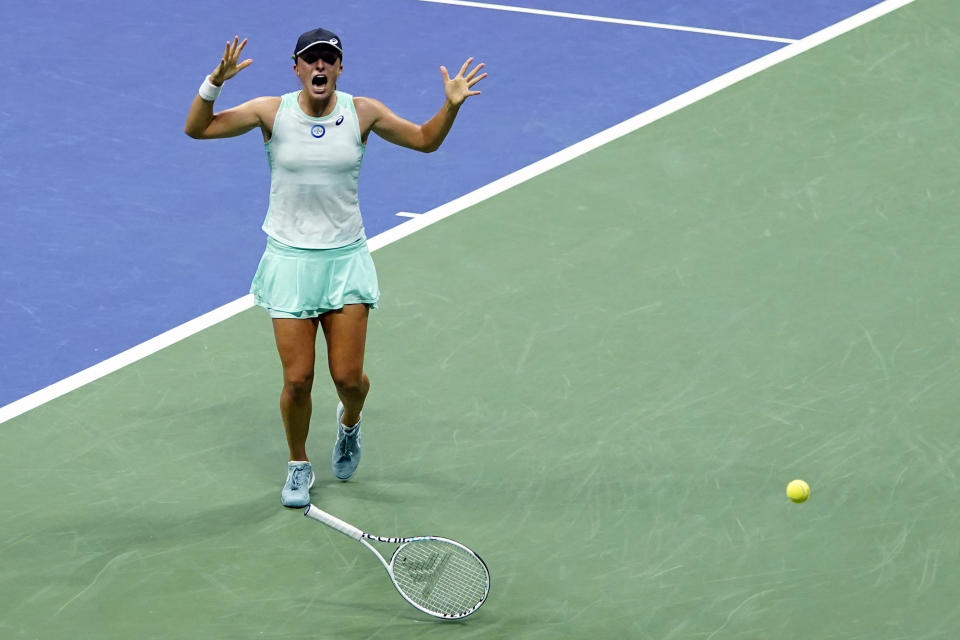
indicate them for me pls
(314, 170)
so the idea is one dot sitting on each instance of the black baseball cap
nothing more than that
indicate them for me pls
(315, 37)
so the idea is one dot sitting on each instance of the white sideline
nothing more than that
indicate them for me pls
(622, 21)
(428, 218)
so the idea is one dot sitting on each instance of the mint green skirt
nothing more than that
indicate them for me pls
(306, 283)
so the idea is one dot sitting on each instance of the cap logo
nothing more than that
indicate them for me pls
(317, 131)
(334, 41)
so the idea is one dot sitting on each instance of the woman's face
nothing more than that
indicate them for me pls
(318, 69)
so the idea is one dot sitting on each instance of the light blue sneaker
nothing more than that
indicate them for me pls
(300, 478)
(346, 450)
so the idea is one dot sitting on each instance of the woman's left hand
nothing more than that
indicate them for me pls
(458, 88)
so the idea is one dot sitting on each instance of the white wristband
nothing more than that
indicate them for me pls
(209, 91)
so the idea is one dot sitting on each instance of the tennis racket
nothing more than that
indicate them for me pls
(438, 576)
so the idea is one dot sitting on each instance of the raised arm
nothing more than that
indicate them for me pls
(426, 137)
(202, 123)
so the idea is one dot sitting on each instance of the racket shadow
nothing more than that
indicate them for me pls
(374, 490)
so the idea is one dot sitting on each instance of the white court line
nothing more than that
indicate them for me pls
(632, 23)
(404, 229)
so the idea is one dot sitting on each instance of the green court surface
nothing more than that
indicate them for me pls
(602, 380)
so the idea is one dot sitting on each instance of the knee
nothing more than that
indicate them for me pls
(349, 380)
(298, 385)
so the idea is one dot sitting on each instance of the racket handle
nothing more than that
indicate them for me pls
(333, 522)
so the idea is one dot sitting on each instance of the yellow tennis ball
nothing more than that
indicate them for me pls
(798, 491)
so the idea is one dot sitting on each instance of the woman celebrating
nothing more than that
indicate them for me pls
(316, 270)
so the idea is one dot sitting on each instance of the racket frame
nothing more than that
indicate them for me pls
(315, 513)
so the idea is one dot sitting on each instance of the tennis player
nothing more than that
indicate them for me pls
(316, 270)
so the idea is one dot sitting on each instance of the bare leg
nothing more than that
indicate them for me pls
(346, 333)
(296, 343)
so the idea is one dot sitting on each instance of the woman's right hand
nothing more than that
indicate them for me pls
(228, 66)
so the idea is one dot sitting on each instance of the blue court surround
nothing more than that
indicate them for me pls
(117, 227)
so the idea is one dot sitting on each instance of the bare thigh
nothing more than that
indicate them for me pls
(296, 343)
(345, 331)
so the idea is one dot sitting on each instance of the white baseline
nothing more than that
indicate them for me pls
(404, 229)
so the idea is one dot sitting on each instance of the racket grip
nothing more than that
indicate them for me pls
(333, 522)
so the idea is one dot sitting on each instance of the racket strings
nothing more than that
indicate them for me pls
(441, 577)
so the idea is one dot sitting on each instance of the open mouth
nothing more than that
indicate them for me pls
(319, 80)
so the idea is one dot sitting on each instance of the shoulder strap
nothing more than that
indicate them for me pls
(345, 101)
